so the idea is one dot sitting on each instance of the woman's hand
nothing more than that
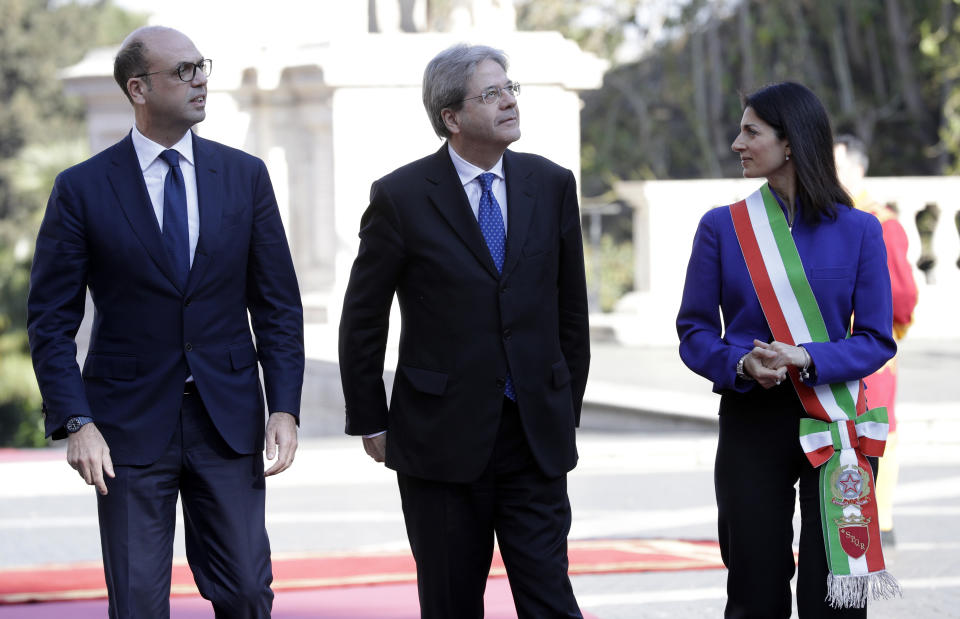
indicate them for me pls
(785, 354)
(759, 364)
(774, 357)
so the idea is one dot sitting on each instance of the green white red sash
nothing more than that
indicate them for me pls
(840, 431)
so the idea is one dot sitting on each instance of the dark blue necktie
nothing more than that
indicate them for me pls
(176, 235)
(491, 224)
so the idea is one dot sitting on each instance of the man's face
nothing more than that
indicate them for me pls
(168, 100)
(488, 126)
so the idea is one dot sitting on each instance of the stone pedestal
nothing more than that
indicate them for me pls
(329, 115)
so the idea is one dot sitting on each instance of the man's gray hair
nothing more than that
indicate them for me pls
(856, 149)
(446, 76)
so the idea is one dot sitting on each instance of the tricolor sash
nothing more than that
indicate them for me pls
(840, 431)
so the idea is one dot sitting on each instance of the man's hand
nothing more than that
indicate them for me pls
(376, 447)
(88, 454)
(281, 441)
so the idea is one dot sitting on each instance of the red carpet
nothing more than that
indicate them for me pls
(397, 601)
(84, 581)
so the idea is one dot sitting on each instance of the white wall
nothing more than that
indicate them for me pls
(666, 214)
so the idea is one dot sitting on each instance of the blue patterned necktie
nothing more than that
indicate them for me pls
(176, 235)
(491, 225)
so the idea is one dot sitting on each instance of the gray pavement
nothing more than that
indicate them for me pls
(647, 444)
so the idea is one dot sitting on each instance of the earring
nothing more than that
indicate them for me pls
(788, 158)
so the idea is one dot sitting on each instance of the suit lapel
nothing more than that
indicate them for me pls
(207, 165)
(521, 200)
(446, 193)
(126, 178)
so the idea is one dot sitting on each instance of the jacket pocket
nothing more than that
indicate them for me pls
(561, 374)
(243, 356)
(425, 381)
(831, 273)
(120, 367)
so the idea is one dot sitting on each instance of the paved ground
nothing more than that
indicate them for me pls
(647, 447)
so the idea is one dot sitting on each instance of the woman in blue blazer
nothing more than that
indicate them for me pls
(785, 137)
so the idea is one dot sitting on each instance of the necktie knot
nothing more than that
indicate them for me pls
(172, 157)
(486, 180)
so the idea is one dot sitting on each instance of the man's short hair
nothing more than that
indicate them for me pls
(446, 76)
(131, 60)
(856, 149)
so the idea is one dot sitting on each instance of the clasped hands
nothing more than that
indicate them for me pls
(768, 363)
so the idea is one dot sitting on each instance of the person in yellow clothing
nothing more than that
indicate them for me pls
(881, 387)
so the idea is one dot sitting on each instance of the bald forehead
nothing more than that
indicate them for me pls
(160, 38)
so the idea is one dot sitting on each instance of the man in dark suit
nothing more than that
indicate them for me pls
(483, 249)
(180, 243)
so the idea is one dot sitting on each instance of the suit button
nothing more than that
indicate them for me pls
(188, 347)
(186, 302)
(504, 290)
(501, 383)
(506, 334)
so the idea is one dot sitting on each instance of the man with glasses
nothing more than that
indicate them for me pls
(180, 242)
(482, 247)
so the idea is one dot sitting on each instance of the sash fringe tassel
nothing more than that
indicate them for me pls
(854, 591)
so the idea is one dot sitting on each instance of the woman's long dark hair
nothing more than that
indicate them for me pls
(797, 115)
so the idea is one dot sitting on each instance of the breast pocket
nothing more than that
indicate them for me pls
(831, 273)
(232, 217)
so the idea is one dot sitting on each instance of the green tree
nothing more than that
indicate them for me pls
(41, 132)
(887, 70)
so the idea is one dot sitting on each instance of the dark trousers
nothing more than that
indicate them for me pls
(759, 461)
(222, 494)
(451, 529)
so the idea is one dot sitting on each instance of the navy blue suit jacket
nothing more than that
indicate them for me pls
(100, 232)
(846, 263)
(463, 323)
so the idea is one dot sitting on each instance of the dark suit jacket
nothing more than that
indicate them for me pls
(100, 231)
(463, 324)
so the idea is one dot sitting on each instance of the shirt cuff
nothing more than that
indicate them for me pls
(375, 434)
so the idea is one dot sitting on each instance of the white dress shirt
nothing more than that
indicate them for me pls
(468, 174)
(155, 172)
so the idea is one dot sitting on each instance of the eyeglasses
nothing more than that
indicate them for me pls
(492, 94)
(187, 71)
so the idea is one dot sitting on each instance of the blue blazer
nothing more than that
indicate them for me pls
(100, 232)
(846, 263)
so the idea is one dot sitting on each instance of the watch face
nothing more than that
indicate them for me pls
(74, 424)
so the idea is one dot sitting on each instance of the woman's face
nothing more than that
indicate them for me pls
(762, 153)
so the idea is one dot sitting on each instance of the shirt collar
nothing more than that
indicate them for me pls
(147, 150)
(467, 171)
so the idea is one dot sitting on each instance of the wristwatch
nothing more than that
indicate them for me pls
(740, 373)
(75, 423)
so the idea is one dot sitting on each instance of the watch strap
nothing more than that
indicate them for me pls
(76, 422)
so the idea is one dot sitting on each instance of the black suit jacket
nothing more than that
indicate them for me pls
(100, 231)
(463, 324)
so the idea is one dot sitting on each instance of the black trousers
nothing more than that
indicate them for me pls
(759, 461)
(222, 494)
(451, 530)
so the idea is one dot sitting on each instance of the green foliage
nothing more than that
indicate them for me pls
(41, 132)
(940, 45)
(20, 423)
(609, 270)
(887, 71)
